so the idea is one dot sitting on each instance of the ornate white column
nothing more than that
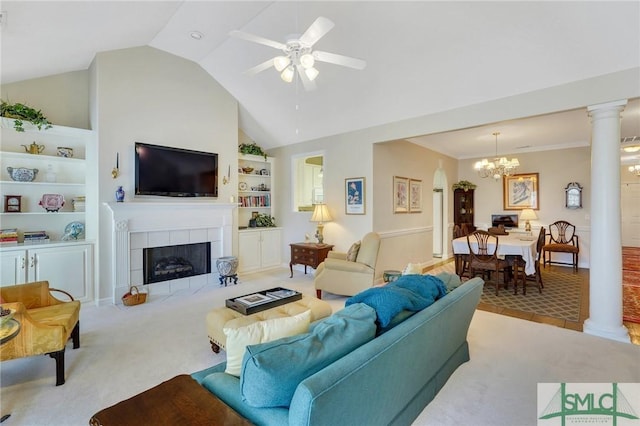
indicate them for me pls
(605, 275)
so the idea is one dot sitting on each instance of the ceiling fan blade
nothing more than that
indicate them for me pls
(259, 68)
(316, 31)
(257, 39)
(333, 58)
(308, 84)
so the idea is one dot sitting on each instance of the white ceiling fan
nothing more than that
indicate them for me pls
(299, 55)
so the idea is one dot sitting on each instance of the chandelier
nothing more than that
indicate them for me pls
(635, 169)
(497, 168)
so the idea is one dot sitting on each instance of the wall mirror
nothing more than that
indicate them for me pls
(573, 195)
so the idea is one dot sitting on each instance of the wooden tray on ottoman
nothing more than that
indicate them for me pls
(262, 300)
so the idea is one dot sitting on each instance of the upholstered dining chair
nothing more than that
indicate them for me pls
(562, 239)
(484, 259)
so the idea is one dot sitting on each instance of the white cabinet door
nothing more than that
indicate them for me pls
(66, 268)
(13, 268)
(270, 248)
(249, 253)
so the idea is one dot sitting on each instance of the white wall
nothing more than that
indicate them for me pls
(147, 95)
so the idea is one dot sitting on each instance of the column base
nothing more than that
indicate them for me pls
(620, 334)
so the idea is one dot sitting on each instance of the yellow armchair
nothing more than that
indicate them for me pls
(46, 323)
(338, 275)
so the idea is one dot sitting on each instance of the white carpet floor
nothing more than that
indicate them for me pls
(126, 350)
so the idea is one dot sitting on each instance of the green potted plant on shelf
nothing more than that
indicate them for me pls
(21, 113)
(251, 148)
(464, 185)
(265, 220)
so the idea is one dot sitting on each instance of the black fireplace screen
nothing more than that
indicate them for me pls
(173, 262)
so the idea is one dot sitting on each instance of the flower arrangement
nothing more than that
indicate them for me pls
(464, 185)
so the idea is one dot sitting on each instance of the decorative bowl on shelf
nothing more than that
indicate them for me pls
(52, 202)
(22, 174)
(64, 151)
(247, 170)
(73, 231)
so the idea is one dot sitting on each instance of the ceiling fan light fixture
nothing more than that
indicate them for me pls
(307, 60)
(287, 74)
(281, 62)
(633, 148)
(311, 73)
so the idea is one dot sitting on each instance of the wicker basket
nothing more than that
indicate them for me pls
(133, 297)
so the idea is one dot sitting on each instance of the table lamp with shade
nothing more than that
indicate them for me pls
(527, 215)
(320, 215)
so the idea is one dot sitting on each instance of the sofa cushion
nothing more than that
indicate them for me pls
(352, 254)
(409, 292)
(451, 281)
(260, 332)
(272, 371)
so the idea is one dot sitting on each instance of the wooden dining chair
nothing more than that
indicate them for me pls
(498, 230)
(461, 260)
(518, 264)
(484, 259)
(562, 239)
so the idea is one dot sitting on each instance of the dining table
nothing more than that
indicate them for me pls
(514, 244)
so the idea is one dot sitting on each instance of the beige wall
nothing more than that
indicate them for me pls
(139, 94)
(62, 98)
(147, 95)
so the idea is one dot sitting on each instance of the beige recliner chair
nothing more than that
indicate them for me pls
(338, 275)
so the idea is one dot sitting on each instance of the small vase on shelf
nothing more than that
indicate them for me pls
(120, 195)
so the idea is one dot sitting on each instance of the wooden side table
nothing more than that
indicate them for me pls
(308, 254)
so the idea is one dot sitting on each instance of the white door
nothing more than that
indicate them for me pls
(630, 203)
(271, 241)
(13, 268)
(66, 268)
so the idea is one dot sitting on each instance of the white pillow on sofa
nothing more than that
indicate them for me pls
(261, 332)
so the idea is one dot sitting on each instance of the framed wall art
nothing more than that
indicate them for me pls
(400, 194)
(354, 202)
(521, 191)
(415, 196)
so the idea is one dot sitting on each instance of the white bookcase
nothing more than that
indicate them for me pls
(71, 264)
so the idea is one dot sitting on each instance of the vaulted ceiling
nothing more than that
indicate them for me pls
(422, 58)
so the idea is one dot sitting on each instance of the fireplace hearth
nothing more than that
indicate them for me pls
(176, 261)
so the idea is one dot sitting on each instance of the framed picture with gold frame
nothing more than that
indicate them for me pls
(400, 194)
(521, 191)
(415, 196)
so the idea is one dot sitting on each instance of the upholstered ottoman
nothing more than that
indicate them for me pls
(220, 318)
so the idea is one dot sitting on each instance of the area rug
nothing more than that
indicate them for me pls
(631, 284)
(560, 297)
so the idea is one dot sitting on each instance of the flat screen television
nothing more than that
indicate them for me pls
(507, 220)
(175, 172)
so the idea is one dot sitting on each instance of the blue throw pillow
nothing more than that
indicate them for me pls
(272, 371)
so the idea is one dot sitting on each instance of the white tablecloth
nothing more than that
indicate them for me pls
(517, 245)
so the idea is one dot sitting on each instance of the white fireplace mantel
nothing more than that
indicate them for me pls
(152, 217)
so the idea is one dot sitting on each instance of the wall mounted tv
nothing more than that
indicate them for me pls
(175, 172)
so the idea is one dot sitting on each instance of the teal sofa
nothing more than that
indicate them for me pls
(386, 381)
